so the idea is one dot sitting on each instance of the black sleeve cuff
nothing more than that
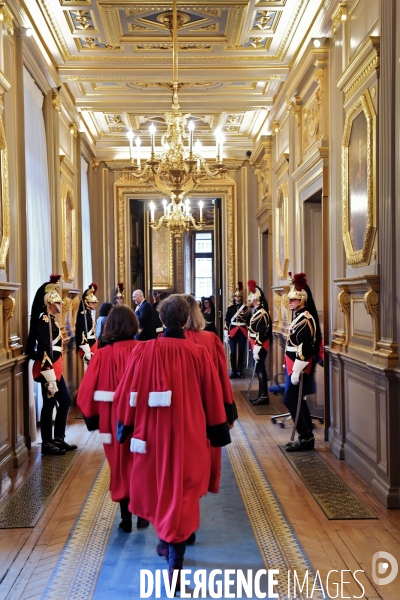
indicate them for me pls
(231, 412)
(123, 431)
(92, 423)
(219, 435)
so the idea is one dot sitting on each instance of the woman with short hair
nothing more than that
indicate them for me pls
(95, 399)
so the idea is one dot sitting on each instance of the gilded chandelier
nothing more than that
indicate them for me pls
(179, 168)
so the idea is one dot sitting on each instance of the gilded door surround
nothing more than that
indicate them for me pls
(4, 198)
(125, 185)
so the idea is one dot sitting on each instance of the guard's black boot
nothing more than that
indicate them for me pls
(126, 516)
(233, 375)
(61, 443)
(50, 449)
(303, 443)
(263, 394)
(239, 375)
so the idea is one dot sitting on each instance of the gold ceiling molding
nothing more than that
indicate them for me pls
(150, 111)
(285, 41)
(369, 68)
(234, 25)
(7, 18)
(183, 80)
(110, 18)
(45, 6)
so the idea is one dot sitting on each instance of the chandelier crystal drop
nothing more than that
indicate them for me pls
(180, 166)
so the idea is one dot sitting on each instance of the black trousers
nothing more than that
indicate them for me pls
(262, 373)
(237, 345)
(290, 400)
(63, 400)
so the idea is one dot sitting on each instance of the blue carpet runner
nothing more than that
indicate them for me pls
(242, 528)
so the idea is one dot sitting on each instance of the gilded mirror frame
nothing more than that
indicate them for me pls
(360, 256)
(4, 199)
(282, 231)
(68, 228)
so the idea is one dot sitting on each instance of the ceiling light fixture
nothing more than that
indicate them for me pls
(180, 167)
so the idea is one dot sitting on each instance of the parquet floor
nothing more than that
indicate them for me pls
(28, 556)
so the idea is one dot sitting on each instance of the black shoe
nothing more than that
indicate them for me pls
(191, 539)
(126, 525)
(233, 375)
(300, 445)
(50, 449)
(142, 523)
(260, 400)
(239, 375)
(60, 443)
(162, 549)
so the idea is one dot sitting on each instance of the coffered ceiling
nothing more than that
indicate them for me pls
(115, 57)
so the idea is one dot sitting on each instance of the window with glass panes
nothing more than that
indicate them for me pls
(203, 264)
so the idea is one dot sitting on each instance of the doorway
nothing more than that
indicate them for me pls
(313, 264)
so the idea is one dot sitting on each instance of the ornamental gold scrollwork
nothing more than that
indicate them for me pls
(65, 308)
(344, 305)
(371, 302)
(278, 304)
(285, 303)
(69, 231)
(74, 309)
(282, 231)
(4, 199)
(8, 312)
(359, 181)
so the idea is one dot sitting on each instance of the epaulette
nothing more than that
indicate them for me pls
(45, 318)
(307, 314)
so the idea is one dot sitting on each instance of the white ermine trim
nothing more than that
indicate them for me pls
(102, 396)
(105, 438)
(138, 446)
(160, 398)
(133, 399)
(49, 375)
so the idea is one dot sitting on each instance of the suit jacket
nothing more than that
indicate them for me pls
(145, 317)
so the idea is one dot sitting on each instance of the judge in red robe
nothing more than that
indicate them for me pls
(194, 331)
(95, 399)
(170, 403)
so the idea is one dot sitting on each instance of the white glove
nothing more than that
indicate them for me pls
(256, 353)
(226, 336)
(298, 367)
(52, 388)
(87, 357)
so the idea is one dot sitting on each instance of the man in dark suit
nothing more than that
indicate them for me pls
(144, 314)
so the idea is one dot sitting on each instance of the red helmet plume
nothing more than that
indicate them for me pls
(252, 285)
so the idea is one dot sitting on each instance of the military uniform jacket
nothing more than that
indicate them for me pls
(260, 328)
(300, 341)
(49, 352)
(80, 330)
(235, 322)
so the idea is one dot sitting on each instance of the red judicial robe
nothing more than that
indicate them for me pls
(171, 398)
(213, 344)
(95, 399)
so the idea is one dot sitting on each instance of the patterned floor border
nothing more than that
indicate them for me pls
(78, 569)
(76, 574)
(276, 540)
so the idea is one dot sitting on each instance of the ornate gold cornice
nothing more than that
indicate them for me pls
(6, 18)
(364, 67)
(338, 16)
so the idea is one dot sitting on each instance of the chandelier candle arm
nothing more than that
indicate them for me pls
(130, 137)
(138, 142)
(152, 130)
(152, 207)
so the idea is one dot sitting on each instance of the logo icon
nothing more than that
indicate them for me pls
(383, 567)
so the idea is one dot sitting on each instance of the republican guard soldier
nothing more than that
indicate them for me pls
(260, 334)
(237, 320)
(85, 329)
